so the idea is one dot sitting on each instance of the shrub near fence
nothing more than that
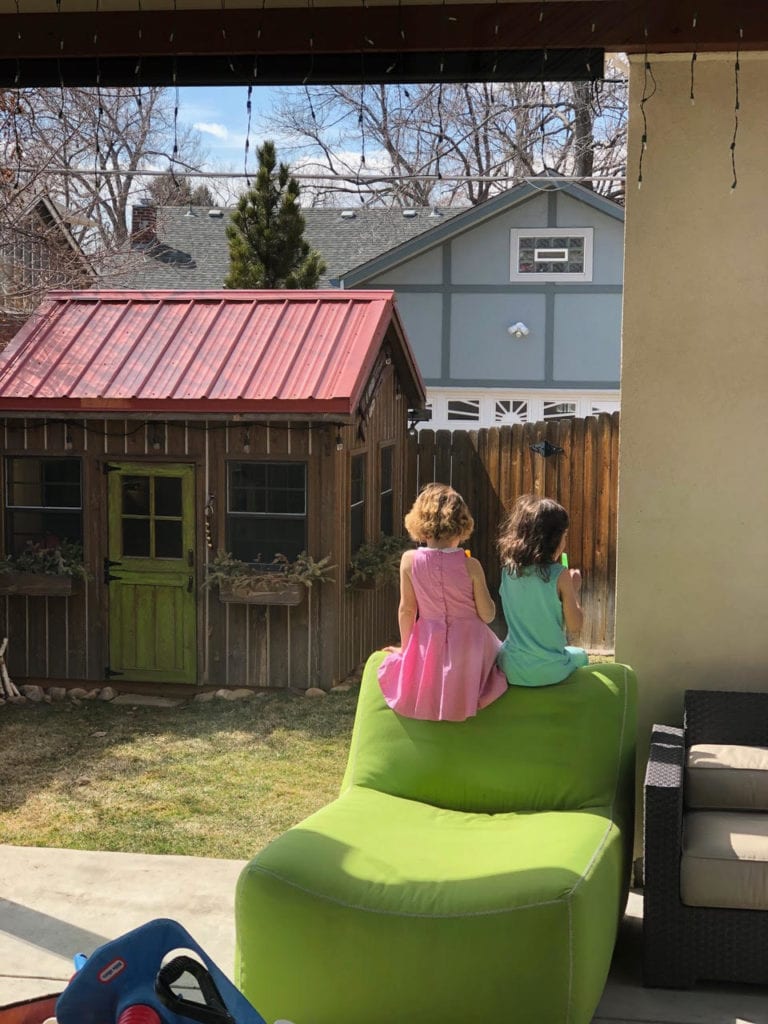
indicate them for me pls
(492, 467)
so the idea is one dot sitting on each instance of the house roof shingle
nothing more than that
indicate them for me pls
(192, 252)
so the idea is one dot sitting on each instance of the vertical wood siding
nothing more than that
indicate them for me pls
(492, 467)
(367, 619)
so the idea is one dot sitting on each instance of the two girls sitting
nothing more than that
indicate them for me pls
(450, 663)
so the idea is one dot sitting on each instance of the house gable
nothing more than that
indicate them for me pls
(37, 252)
(461, 323)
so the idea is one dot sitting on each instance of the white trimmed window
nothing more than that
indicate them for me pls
(564, 256)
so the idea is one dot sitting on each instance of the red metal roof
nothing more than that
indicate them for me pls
(301, 352)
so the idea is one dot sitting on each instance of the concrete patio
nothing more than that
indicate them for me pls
(55, 903)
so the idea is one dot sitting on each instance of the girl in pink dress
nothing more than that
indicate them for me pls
(445, 668)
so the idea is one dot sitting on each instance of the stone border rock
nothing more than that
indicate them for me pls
(30, 693)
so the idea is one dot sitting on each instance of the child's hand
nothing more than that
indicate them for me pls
(576, 578)
(392, 650)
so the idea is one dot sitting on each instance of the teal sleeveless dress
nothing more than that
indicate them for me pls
(535, 652)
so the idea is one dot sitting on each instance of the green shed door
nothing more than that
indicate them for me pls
(152, 587)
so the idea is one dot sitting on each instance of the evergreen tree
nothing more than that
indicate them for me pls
(176, 190)
(266, 233)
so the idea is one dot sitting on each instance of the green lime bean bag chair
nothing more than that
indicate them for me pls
(472, 871)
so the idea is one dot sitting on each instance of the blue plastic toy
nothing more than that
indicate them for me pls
(133, 980)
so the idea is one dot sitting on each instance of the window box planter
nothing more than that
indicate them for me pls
(284, 594)
(36, 584)
(278, 582)
(377, 563)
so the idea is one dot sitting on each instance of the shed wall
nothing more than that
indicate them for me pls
(314, 643)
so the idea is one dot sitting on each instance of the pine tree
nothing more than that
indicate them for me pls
(267, 248)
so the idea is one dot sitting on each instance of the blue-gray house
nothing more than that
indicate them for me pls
(512, 307)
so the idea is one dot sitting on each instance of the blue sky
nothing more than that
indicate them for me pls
(219, 114)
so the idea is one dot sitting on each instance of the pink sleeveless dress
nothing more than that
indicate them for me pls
(448, 668)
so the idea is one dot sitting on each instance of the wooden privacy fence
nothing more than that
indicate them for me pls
(492, 467)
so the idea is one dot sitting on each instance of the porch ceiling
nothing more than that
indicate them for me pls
(352, 40)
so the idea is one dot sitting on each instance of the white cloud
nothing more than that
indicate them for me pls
(219, 131)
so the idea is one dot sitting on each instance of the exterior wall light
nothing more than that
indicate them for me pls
(518, 330)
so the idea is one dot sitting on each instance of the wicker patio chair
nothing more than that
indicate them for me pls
(683, 944)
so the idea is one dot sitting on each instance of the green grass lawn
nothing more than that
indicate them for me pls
(218, 779)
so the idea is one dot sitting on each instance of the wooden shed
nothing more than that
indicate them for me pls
(157, 428)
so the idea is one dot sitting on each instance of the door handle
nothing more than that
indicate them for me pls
(190, 584)
(190, 558)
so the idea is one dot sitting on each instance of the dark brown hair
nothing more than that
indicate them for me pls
(531, 534)
(439, 513)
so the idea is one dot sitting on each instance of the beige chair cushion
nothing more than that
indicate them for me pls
(726, 777)
(725, 860)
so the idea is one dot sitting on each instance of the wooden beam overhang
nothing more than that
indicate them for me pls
(294, 68)
(279, 44)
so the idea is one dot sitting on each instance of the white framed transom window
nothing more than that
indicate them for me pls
(550, 255)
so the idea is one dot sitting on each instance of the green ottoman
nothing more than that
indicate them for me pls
(468, 871)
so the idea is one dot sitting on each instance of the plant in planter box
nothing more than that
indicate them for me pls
(43, 569)
(278, 582)
(377, 562)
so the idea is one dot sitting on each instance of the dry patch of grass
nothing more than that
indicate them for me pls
(218, 779)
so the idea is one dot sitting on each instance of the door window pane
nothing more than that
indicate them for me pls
(152, 520)
(167, 496)
(136, 495)
(168, 538)
(136, 538)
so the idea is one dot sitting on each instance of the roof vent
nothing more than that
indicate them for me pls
(409, 213)
(436, 212)
(215, 213)
(347, 214)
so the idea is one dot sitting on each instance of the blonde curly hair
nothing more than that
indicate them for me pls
(439, 513)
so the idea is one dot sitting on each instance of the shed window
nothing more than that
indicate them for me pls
(357, 503)
(551, 257)
(386, 492)
(44, 502)
(266, 510)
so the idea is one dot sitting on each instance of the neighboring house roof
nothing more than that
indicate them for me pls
(471, 218)
(190, 248)
(293, 353)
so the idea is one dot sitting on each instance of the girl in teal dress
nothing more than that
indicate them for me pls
(540, 597)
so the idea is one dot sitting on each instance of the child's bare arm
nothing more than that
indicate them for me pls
(484, 603)
(569, 587)
(406, 613)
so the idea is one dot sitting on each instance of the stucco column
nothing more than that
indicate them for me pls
(692, 597)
